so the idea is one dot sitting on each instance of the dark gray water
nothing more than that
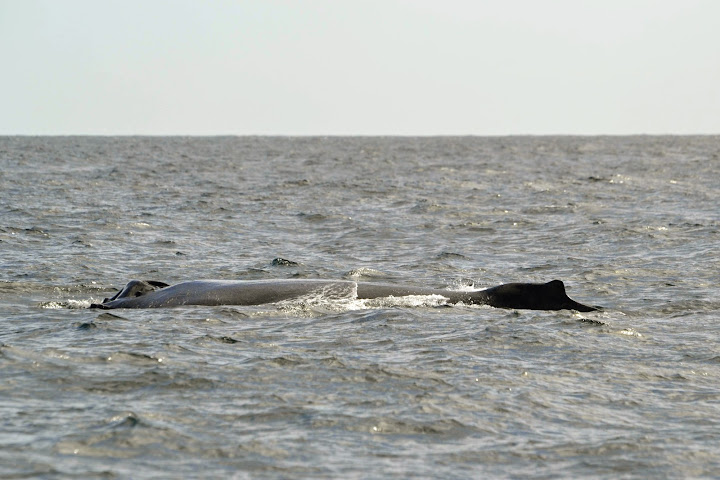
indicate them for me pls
(320, 388)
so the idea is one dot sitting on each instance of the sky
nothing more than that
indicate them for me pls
(351, 67)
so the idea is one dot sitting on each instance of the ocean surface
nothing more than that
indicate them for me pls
(341, 388)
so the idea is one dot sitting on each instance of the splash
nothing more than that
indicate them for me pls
(67, 304)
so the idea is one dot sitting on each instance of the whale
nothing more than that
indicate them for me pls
(154, 294)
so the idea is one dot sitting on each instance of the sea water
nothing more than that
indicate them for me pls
(339, 388)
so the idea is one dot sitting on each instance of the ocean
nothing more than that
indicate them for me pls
(386, 388)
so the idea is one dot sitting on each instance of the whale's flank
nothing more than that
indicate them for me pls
(153, 294)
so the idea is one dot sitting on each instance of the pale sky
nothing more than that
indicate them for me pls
(371, 67)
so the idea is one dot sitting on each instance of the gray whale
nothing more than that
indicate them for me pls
(152, 294)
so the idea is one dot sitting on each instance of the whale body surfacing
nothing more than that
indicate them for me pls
(153, 294)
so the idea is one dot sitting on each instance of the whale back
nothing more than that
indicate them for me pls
(534, 296)
(153, 294)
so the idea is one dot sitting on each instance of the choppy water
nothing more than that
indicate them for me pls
(324, 389)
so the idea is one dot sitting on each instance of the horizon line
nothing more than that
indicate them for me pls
(348, 135)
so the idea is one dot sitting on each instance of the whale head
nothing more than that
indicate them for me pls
(136, 288)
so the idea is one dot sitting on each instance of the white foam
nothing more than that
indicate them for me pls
(405, 301)
(342, 297)
(365, 272)
(69, 304)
